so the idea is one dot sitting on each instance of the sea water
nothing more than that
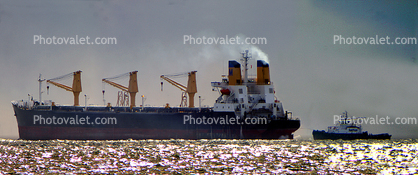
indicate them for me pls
(209, 156)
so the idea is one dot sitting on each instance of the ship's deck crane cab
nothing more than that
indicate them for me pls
(190, 89)
(132, 88)
(76, 87)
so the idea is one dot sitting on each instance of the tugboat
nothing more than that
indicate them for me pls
(346, 129)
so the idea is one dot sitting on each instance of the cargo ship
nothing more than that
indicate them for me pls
(346, 129)
(246, 109)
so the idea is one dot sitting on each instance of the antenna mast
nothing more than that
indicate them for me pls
(245, 57)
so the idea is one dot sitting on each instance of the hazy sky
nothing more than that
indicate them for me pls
(313, 77)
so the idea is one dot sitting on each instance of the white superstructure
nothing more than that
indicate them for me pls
(248, 97)
(346, 125)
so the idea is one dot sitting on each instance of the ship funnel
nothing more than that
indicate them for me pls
(263, 72)
(234, 73)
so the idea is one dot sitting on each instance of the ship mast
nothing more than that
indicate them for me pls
(40, 80)
(245, 57)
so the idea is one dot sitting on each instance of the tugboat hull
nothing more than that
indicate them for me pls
(322, 135)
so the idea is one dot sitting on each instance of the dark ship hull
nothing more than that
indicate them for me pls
(322, 135)
(113, 123)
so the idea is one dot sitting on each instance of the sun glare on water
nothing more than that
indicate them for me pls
(208, 156)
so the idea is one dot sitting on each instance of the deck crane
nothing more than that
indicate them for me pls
(76, 87)
(190, 89)
(132, 88)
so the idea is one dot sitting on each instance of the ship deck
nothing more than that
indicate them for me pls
(120, 109)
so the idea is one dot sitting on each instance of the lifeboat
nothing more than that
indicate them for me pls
(225, 91)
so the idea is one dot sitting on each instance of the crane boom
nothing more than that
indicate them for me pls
(191, 88)
(116, 85)
(76, 87)
(132, 88)
(67, 88)
(178, 85)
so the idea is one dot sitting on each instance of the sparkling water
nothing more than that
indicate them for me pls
(209, 156)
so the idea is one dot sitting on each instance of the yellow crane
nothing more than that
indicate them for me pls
(190, 89)
(132, 88)
(76, 87)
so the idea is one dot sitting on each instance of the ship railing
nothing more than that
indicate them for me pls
(24, 104)
(219, 100)
(231, 99)
(43, 107)
(256, 102)
(116, 109)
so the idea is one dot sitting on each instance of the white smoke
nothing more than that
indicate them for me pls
(234, 50)
(258, 54)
